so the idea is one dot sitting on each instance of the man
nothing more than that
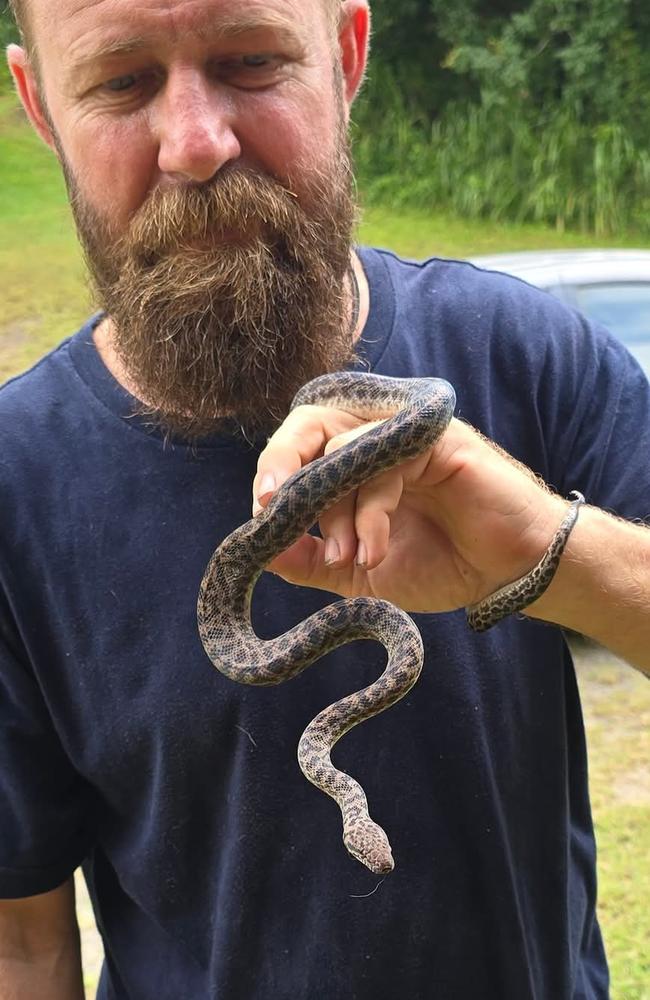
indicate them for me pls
(203, 144)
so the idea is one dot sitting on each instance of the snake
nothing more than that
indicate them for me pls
(414, 414)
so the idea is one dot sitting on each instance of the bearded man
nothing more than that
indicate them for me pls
(204, 146)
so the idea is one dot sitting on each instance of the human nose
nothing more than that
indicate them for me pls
(195, 129)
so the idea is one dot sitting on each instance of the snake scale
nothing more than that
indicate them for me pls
(416, 413)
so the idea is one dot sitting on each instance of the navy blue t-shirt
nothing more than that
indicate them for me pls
(215, 869)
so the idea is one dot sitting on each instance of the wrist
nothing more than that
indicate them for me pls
(602, 586)
(569, 594)
(523, 590)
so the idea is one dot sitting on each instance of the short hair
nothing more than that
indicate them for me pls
(19, 10)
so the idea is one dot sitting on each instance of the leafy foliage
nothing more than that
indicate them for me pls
(593, 54)
(533, 110)
(8, 32)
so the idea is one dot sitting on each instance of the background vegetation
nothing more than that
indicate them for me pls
(490, 126)
(527, 110)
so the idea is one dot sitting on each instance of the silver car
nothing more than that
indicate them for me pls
(609, 286)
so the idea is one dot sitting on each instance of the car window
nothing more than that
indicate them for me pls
(623, 307)
(641, 352)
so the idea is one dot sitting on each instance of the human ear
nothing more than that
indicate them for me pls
(29, 93)
(353, 34)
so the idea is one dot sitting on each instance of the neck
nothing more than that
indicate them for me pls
(364, 296)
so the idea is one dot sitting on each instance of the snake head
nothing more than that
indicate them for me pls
(367, 842)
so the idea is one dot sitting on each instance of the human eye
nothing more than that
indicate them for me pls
(251, 70)
(121, 84)
(129, 89)
(259, 60)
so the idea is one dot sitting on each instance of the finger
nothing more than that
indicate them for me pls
(337, 525)
(293, 444)
(350, 434)
(304, 564)
(377, 500)
(338, 531)
(302, 437)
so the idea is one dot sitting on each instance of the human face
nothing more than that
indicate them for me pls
(148, 95)
(215, 318)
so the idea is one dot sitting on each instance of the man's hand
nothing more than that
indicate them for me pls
(437, 533)
(447, 529)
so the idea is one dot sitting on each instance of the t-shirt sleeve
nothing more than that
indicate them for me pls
(42, 798)
(603, 444)
(558, 392)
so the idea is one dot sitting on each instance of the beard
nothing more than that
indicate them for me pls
(227, 297)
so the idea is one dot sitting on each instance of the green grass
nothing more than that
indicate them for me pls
(43, 287)
(616, 706)
(426, 234)
(44, 299)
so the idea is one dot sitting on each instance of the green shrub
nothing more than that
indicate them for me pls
(495, 162)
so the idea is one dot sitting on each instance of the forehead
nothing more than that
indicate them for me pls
(70, 25)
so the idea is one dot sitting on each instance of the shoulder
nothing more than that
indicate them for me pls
(48, 388)
(483, 317)
(558, 392)
(39, 411)
(464, 290)
(36, 388)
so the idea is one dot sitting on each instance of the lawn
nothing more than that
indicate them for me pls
(44, 299)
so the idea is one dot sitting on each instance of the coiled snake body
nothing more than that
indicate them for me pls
(418, 412)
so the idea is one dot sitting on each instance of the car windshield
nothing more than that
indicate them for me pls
(624, 308)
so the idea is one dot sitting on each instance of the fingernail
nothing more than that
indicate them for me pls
(362, 554)
(332, 551)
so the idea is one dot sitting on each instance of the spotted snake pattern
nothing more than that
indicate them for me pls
(416, 413)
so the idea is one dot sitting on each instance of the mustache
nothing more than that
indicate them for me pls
(242, 240)
(237, 206)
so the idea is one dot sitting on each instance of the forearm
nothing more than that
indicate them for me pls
(33, 977)
(40, 953)
(602, 586)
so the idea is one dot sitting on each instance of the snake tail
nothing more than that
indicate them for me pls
(518, 595)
